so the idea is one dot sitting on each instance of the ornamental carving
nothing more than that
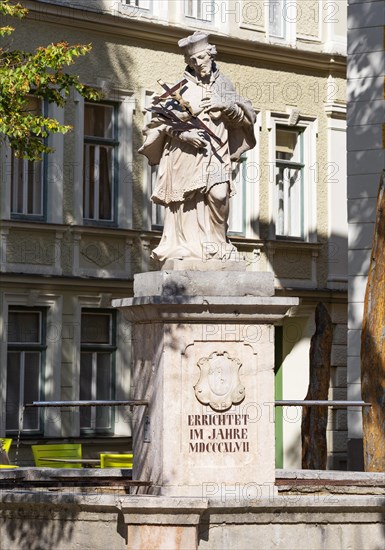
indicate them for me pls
(219, 384)
(101, 253)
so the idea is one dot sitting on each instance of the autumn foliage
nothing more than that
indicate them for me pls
(39, 73)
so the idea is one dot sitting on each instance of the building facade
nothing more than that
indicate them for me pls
(76, 227)
(366, 166)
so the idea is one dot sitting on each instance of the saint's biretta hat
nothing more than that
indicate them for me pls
(194, 43)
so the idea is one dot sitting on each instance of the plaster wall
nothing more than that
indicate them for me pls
(131, 65)
(315, 23)
(366, 163)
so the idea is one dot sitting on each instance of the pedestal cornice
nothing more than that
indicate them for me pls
(174, 309)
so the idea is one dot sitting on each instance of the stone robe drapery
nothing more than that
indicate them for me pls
(194, 184)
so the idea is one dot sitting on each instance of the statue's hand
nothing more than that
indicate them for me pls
(193, 137)
(212, 103)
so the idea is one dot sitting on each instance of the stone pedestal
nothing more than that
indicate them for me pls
(203, 347)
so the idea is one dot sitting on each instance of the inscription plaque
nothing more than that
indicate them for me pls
(218, 433)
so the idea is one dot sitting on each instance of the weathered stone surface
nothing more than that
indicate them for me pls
(200, 283)
(163, 537)
(205, 363)
(338, 356)
(250, 309)
(236, 264)
(183, 446)
(48, 520)
(340, 335)
(339, 377)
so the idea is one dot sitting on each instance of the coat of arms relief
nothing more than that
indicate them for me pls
(219, 384)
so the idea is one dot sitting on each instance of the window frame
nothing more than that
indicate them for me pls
(192, 22)
(152, 212)
(251, 192)
(289, 27)
(157, 210)
(125, 104)
(23, 348)
(139, 4)
(53, 305)
(114, 143)
(154, 9)
(282, 163)
(53, 173)
(240, 211)
(308, 126)
(123, 357)
(27, 165)
(95, 348)
(197, 9)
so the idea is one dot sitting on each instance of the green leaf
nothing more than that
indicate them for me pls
(41, 73)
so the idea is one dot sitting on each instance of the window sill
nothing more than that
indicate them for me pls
(99, 223)
(28, 218)
(288, 242)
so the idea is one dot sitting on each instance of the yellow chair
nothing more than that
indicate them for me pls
(6, 442)
(8, 466)
(116, 460)
(64, 451)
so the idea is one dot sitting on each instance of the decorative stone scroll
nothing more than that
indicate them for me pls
(219, 384)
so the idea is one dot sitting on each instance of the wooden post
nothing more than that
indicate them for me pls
(314, 419)
(373, 347)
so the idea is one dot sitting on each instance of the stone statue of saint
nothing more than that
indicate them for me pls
(199, 127)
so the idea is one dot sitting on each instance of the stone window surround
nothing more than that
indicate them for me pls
(51, 390)
(100, 167)
(53, 175)
(252, 187)
(156, 9)
(121, 426)
(309, 127)
(125, 111)
(217, 23)
(96, 348)
(21, 368)
(261, 25)
(290, 28)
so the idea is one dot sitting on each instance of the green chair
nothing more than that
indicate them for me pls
(116, 460)
(6, 442)
(65, 451)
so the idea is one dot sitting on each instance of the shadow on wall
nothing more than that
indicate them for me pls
(365, 166)
(36, 524)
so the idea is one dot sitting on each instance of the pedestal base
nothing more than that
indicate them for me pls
(206, 365)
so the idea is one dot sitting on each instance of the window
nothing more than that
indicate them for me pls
(199, 9)
(293, 173)
(289, 168)
(282, 17)
(25, 365)
(27, 179)
(100, 160)
(157, 218)
(276, 18)
(142, 4)
(237, 216)
(97, 369)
